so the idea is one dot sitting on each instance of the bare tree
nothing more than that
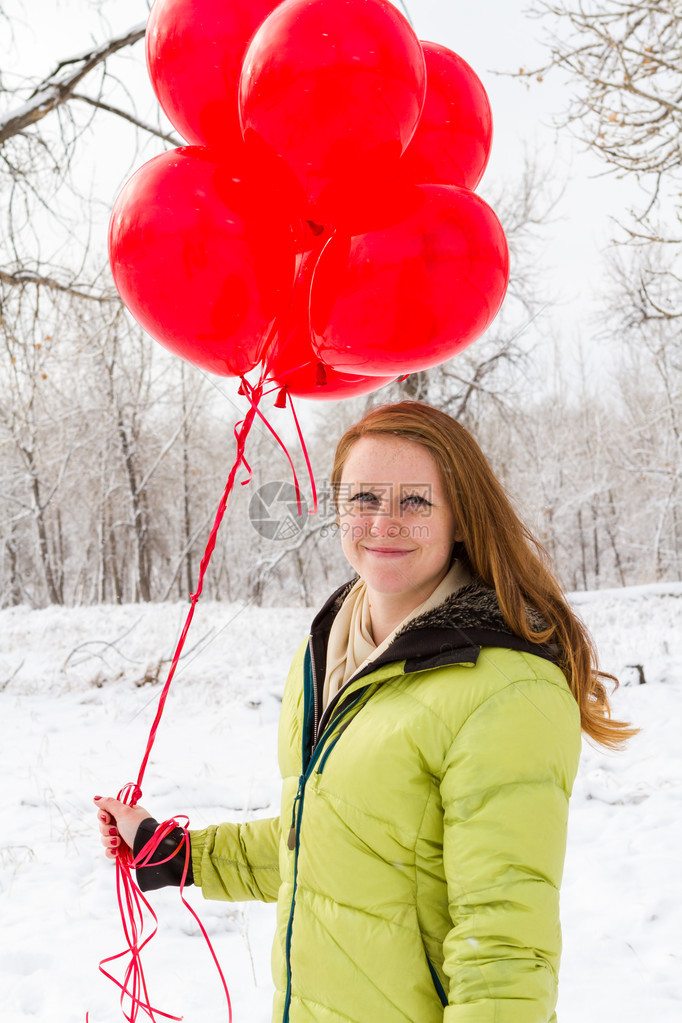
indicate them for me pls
(624, 61)
(40, 439)
(46, 123)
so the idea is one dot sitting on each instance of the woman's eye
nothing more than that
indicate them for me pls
(415, 502)
(364, 499)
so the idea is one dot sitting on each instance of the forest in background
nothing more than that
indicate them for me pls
(113, 454)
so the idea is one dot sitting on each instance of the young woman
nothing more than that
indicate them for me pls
(428, 742)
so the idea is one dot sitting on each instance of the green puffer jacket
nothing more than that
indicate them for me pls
(418, 854)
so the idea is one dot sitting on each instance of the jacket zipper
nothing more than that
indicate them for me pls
(291, 841)
(440, 990)
(330, 747)
(316, 717)
(293, 844)
(295, 828)
(297, 816)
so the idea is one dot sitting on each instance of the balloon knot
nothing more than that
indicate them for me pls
(316, 229)
(320, 375)
(281, 399)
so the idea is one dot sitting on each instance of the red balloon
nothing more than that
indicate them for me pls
(295, 366)
(291, 361)
(201, 258)
(451, 146)
(336, 88)
(410, 295)
(194, 56)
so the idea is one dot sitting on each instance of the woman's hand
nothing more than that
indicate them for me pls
(118, 823)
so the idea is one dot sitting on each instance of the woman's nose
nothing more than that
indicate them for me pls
(382, 520)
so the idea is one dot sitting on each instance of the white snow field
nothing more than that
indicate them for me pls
(75, 712)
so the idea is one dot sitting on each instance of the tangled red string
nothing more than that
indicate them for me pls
(134, 908)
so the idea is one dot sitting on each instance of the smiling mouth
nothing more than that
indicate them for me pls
(389, 550)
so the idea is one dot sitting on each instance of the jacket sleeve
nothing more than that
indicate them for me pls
(237, 862)
(505, 786)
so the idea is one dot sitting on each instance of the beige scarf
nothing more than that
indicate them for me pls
(351, 645)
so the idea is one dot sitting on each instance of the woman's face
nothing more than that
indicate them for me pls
(397, 528)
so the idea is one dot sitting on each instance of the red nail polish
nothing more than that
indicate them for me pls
(98, 797)
(112, 831)
(113, 841)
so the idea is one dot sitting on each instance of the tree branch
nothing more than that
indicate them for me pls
(59, 87)
(21, 277)
(101, 105)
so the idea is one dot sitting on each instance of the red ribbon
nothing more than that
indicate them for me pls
(131, 902)
(134, 908)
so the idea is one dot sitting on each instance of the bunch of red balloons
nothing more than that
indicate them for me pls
(321, 221)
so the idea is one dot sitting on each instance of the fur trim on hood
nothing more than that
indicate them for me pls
(473, 606)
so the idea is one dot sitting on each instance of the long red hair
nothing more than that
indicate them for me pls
(501, 551)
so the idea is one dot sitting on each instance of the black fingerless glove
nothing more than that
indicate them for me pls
(161, 875)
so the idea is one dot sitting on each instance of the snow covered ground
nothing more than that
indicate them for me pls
(77, 698)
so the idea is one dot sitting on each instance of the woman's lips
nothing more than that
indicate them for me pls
(389, 551)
